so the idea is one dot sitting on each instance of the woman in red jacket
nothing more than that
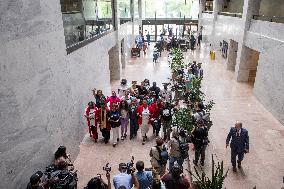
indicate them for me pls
(90, 114)
(144, 114)
(113, 99)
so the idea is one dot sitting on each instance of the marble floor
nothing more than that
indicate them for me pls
(263, 167)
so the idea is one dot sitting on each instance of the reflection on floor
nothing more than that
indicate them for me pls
(263, 167)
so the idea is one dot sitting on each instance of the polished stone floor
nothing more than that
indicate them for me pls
(263, 167)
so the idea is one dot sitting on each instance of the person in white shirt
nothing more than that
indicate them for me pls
(144, 118)
(166, 94)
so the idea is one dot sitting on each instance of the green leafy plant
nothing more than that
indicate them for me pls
(183, 119)
(196, 95)
(208, 107)
(218, 175)
(177, 62)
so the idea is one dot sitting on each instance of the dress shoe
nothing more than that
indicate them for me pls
(239, 164)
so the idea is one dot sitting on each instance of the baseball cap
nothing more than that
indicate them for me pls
(36, 177)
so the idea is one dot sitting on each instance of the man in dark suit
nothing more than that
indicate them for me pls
(239, 144)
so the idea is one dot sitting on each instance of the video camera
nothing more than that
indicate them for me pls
(58, 179)
(129, 166)
(123, 82)
(107, 168)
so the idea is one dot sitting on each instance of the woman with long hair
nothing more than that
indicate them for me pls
(124, 118)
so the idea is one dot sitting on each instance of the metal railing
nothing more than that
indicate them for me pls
(239, 15)
(276, 19)
(208, 12)
(85, 42)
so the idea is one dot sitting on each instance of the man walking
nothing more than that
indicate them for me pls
(239, 144)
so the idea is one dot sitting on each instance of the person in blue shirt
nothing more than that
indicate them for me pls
(124, 180)
(144, 178)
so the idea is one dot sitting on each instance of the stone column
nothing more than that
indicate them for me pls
(140, 12)
(132, 14)
(115, 14)
(217, 7)
(232, 55)
(115, 52)
(250, 8)
(202, 4)
(114, 62)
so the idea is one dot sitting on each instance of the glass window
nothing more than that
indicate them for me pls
(171, 9)
(84, 19)
(136, 11)
(124, 8)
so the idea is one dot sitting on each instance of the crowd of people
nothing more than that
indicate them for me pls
(138, 107)
(135, 106)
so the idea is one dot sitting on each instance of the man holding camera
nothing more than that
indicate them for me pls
(36, 181)
(157, 161)
(175, 154)
(124, 180)
(200, 141)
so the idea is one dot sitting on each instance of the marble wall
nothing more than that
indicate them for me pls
(268, 39)
(259, 40)
(44, 91)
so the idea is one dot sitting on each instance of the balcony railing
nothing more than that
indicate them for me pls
(239, 15)
(276, 19)
(208, 12)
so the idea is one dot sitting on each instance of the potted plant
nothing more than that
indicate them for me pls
(216, 181)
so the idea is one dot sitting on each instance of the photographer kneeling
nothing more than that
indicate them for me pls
(36, 181)
(61, 155)
(124, 180)
(98, 183)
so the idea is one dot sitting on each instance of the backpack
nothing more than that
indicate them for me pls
(183, 149)
(163, 156)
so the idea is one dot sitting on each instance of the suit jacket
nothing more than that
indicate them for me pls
(244, 139)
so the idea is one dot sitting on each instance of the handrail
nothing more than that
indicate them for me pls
(277, 19)
(208, 12)
(80, 44)
(230, 14)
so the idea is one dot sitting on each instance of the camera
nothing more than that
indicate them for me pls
(130, 165)
(107, 168)
(123, 82)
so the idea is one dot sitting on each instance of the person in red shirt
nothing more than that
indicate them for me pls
(90, 114)
(113, 99)
(144, 116)
(156, 116)
(103, 122)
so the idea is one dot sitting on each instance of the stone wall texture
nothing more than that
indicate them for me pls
(44, 91)
(267, 38)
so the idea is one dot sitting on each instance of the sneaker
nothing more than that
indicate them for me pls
(117, 139)
(125, 135)
(114, 145)
(122, 138)
(143, 142)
